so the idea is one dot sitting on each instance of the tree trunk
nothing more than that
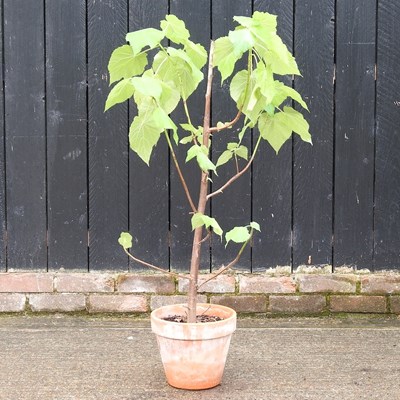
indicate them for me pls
(197, 237)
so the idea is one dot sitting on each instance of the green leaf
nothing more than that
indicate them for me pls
(276, 54)
(267, 21)
(255, 225)
(254, 102)
(148, 86)
(195, 132)
(259, 19)
(197, 220)
(242, 40)
(242, 152)
(205, 163)
(190, 128)
(212, 222)
(200, 219)
(197, 53)
(265, 81)
(163, 120)
(244, 21)
(270, 109)
(283, 92)
(174, 29)
(144, 134)
(297, 123)
(121, 92)
(168, 100)
(124, 64)
(274, 129)
(186, 140)
(145, 37)
(232, 146)
(278, 128)
(224, 158)
(237, 87)
(239, 234)
(170, 97)
(178, 68)
(125, 240)
(192, 152)
(225, 57)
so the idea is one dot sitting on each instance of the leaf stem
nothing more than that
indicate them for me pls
(227, 124)
(239, 174)
(138, 260)
(187, 111)
(230, 265)
(237, 164)
(181, 177)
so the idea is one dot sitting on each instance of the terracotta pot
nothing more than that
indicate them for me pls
(193, 355)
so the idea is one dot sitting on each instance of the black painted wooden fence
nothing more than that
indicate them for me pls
(69, 185)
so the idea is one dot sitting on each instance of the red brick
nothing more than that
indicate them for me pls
(117, 303)
(159, 301)
(395, 304)
(358, 304)
(308, 304)
(12, 302)
(57, 302)
(220, 284)
(26, 282)
(84, 282)
(380, 284)
(242, 304)
(266, 284)
(136, 283)
(327, 283)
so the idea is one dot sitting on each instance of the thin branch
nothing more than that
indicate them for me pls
(237, 164)
(230, 265)
(185, 187)
(238, 175)
(155, 267)
(227, 124)
(206, 237)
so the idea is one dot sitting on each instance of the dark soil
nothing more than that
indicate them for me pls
(199, 318)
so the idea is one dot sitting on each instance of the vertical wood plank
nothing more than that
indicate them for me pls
(148, 186)
(272, 174)
(387, 175)
(3, 240)
(196, 15)
(108, 138)
(354, 135)
(313, 165)
(25, 134)
(233, 207)
(66, 133)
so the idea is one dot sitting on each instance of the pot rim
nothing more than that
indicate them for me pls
(193, 331)
(207, 305)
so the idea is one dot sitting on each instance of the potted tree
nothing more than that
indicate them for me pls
(194, 338)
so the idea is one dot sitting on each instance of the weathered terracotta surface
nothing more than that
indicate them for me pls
(194, 355)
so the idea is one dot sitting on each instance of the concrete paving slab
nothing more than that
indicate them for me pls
(62, 357)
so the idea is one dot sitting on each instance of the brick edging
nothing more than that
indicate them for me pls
(298, 293)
